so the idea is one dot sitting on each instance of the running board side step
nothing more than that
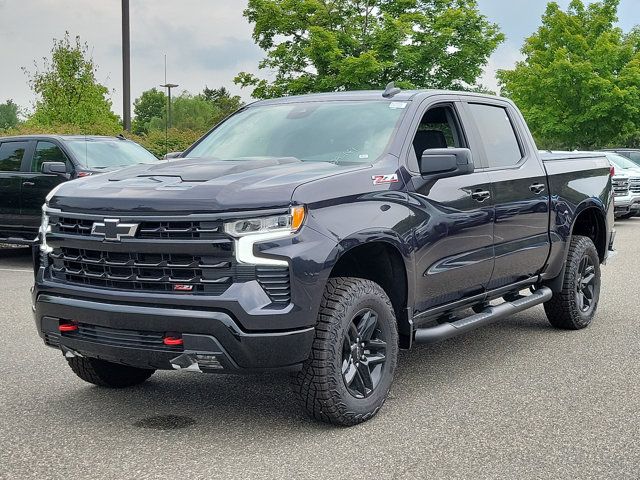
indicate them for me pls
(489, 315)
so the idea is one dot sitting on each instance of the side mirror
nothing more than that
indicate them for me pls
(171, 155)
(54, 168)
(446, 162)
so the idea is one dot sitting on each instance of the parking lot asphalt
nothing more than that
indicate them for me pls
(515, 400)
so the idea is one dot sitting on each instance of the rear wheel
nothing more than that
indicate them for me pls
(347, 377)
(575, 305)
(108, 374)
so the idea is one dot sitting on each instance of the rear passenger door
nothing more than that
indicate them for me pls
(519, 190)
(37, 185)
(11, 155)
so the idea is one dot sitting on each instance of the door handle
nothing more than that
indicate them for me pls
(481, 195)
(537, 188)
(28, 184)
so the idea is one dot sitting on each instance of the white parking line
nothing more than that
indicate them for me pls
(15, 270)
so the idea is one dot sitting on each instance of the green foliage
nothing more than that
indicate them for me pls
(191, 117)
(176, 140)
(9, 115)
(221, 98)
(317, 45)
(151, 104)
(579, 83)
(68, 90)
(30, 128)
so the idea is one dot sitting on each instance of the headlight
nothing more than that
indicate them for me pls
(287, 223)
(43, 230)
(264, 229)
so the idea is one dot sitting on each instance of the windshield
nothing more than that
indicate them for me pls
(620, 161)
(108, 152)
(337, 132)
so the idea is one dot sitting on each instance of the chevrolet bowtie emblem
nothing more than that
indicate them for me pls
(114, 231)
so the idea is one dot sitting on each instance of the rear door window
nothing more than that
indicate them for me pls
(47, 152)
(11, 154)
(497, 135)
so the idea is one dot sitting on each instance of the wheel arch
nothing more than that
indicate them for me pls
(589, 221)
(385, 261)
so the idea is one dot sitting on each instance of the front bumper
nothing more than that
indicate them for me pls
(241, 329)
(132, 335)
(626, 204)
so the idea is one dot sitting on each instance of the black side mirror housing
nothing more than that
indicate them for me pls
(446, 162)
(55, 168)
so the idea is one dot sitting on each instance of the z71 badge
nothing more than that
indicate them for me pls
(382, 179)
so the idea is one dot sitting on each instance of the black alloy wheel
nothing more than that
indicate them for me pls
(363, 354)
(586, 284)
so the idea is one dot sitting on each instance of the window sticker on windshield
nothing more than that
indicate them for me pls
(398, 105)
(363, 156)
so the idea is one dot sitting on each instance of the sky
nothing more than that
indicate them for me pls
(207, 42)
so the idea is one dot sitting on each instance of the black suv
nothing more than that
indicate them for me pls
(31, 166)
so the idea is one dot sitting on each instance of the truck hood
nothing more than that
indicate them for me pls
(194, 185)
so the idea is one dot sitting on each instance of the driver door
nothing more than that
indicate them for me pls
(454, 233)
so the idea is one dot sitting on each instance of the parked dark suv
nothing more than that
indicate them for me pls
(30, 166)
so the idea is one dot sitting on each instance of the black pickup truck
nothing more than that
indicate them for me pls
(320, 234)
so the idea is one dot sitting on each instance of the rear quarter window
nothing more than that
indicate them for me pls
(11, 154)
(497, 135)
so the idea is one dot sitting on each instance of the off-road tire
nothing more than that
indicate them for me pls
(108, 374)
(320, 386)
(563, 310)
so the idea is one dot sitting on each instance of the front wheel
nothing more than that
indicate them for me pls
(348, 374)
(575, 305)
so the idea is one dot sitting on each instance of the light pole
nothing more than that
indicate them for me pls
(126, 68)
(167, 124)
(169, 86)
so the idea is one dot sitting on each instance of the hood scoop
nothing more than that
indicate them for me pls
(199, 169)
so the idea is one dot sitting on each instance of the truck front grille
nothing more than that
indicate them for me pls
(170, 230)
(164, 272)
(634, 185)
(165, 256)
(620, 187)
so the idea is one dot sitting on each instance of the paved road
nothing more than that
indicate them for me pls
(514, 400)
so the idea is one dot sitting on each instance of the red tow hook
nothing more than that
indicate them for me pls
(172, 341)
(68, 327)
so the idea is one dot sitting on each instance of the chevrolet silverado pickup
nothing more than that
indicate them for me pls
(320, 234)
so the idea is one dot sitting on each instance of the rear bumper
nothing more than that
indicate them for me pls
(132, 335)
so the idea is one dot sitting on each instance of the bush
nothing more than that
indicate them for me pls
(175, 141)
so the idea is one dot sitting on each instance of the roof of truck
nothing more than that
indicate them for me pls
(402, 96)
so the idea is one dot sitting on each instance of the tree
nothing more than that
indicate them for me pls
(321, 45)
(151, 104)
(189, 112)
(222, 99)
(8, 115)
(68, 90)
(579, 83)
